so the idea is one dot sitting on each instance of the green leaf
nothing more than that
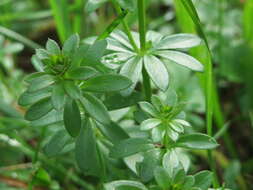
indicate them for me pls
(71, 89)
(53, 47)
(132, 69)
(124, 185)
(107, 83)
(72, 118)
(116, 101)
(50, 118)
(82, 73)
(147, 166)
(170, 161)
(58, 96)
(178, 41)
(127, 4)
(131, 146)
(196, 141)
(203, 179)
(149, 108)
(95, 108)
(29, 78)
(71, 44)
(150, 124)
(40, 82)
(157, 71)
(28, 98)
(39, 109)
(42, 54)
(181, 59)
(162, 177)
(113, 132)
(56, 143)
(189, 182)
(86, 151)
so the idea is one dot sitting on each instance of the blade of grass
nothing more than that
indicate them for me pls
(79, 16)
(112, 26)
(208, 82)
(60, 12)
(15, 36)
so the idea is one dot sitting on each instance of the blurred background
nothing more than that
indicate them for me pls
(228, 26)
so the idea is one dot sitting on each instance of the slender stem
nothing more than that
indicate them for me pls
(142, 24)
(126, 27)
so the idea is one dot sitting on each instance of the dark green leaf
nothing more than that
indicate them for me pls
(40, 82)
(39, 109)
(95, 108)
(56, 143)
(87, 155)
(71, 89)
(28, 98)
(107, 83)
(72, 118)
(50, 118)
(131, 146)
(82, 73)
(124, 185)
(203, 179)
(162, 178)
(196, 141)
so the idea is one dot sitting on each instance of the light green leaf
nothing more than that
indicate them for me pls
(58, 96)
(132, 69)
(71, 44)
(124, 185)
(42, 54)
(92, 5)
(50, 118)
(86, 151)
(82, 73)
(178, 41)
(39, 109)
(107, 83)
(149, 108)
(127, 4)
(52, 47)
(157, 71)
(150, 124)
(181, 59)
(170, 162)
(95, 108)
(196, 141)
(72, 118)
(131, 146)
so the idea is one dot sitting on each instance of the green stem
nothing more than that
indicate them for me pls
(126, 27)
(142, 24)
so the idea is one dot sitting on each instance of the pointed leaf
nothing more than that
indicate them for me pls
(107, 83)
(150, 124)
(71, 44)
(86, 151)
(95, 108)
(39, 109)
(53, 47)
(181, 59)
(203, 179)
(149, 108)
(179, 41)
(40, 82)
(58, 96)
(72, 118)
(196, 141)
(82, 73)
(157, 71)
(131, 146)
(124, 185)
(71, 89)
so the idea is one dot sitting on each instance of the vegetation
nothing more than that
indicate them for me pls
(126, 94)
